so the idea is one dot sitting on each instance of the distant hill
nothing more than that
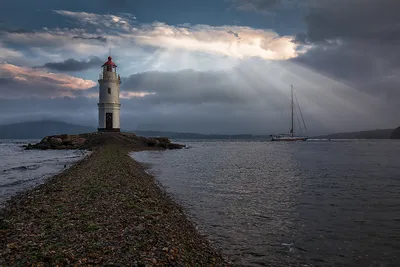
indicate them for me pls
(395, 133)
(39, 129)
(374, 134)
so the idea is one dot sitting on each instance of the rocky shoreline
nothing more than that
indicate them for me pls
(103, 211)
(94, 140)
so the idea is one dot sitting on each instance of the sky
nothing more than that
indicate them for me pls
(210, 66)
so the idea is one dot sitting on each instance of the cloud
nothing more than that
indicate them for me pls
(144, 46)
(254, 95)
(239, 75)
(96, 38)
(74, 65)
(218, 40)
(54, 41)
(361, 20)
(8, 54)
(97, 20)
(186, 86)
(234, 33)
(17, 82)
(355, 43)
(17, 31)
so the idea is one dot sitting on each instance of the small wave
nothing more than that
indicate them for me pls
(19, 182)
(23, 168)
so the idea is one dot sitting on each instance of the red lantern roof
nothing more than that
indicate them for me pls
(109, 62)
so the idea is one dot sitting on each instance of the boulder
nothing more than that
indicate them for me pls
(29, 146)
(42, 146)
(55, 141)
(151, 142)
(78, 141)
(45, 139)
(175, 146)
(163, 140)
(65, 137)
(91, 140)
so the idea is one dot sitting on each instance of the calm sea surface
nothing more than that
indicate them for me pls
(316, 203)
(22, 169)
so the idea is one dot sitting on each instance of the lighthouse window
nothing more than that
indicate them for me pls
(109, 90)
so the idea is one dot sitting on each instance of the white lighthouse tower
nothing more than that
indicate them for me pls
(109, 106)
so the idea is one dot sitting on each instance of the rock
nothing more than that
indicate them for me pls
(42, 146)
(29, 146)
(395, 134)
(162, 144)
(151, 142)
(175, 146)
(55, 141)
(93, 140)
(65, 137)
(163, 140)
(45, 139)
(79, 141)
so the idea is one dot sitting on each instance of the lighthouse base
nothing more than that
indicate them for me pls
(114, 130)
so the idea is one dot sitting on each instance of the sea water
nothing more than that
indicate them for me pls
(23, 169)
(317, 203)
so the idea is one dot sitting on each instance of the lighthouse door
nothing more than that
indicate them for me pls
(109, 120)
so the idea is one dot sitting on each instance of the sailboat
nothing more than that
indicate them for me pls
(291, 136)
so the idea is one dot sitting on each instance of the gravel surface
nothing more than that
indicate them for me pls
(104, 210)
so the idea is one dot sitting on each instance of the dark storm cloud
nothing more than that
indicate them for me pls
(97, 38)
(374, 70)
(234, 33)
(12, 88)
(45, 88)
(15, 30)
(7, 82)
(74, 65)
(357, 42)
(256, 89)
(363, 20)
(347, 61)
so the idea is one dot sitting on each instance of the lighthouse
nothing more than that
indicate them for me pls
(109, 106)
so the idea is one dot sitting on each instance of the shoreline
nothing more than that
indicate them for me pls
(103, 210)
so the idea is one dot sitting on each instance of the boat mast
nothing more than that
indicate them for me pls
(292, 131)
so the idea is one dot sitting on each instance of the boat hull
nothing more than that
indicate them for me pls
(289, 139)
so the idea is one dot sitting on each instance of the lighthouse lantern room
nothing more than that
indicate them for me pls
(109, 105)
